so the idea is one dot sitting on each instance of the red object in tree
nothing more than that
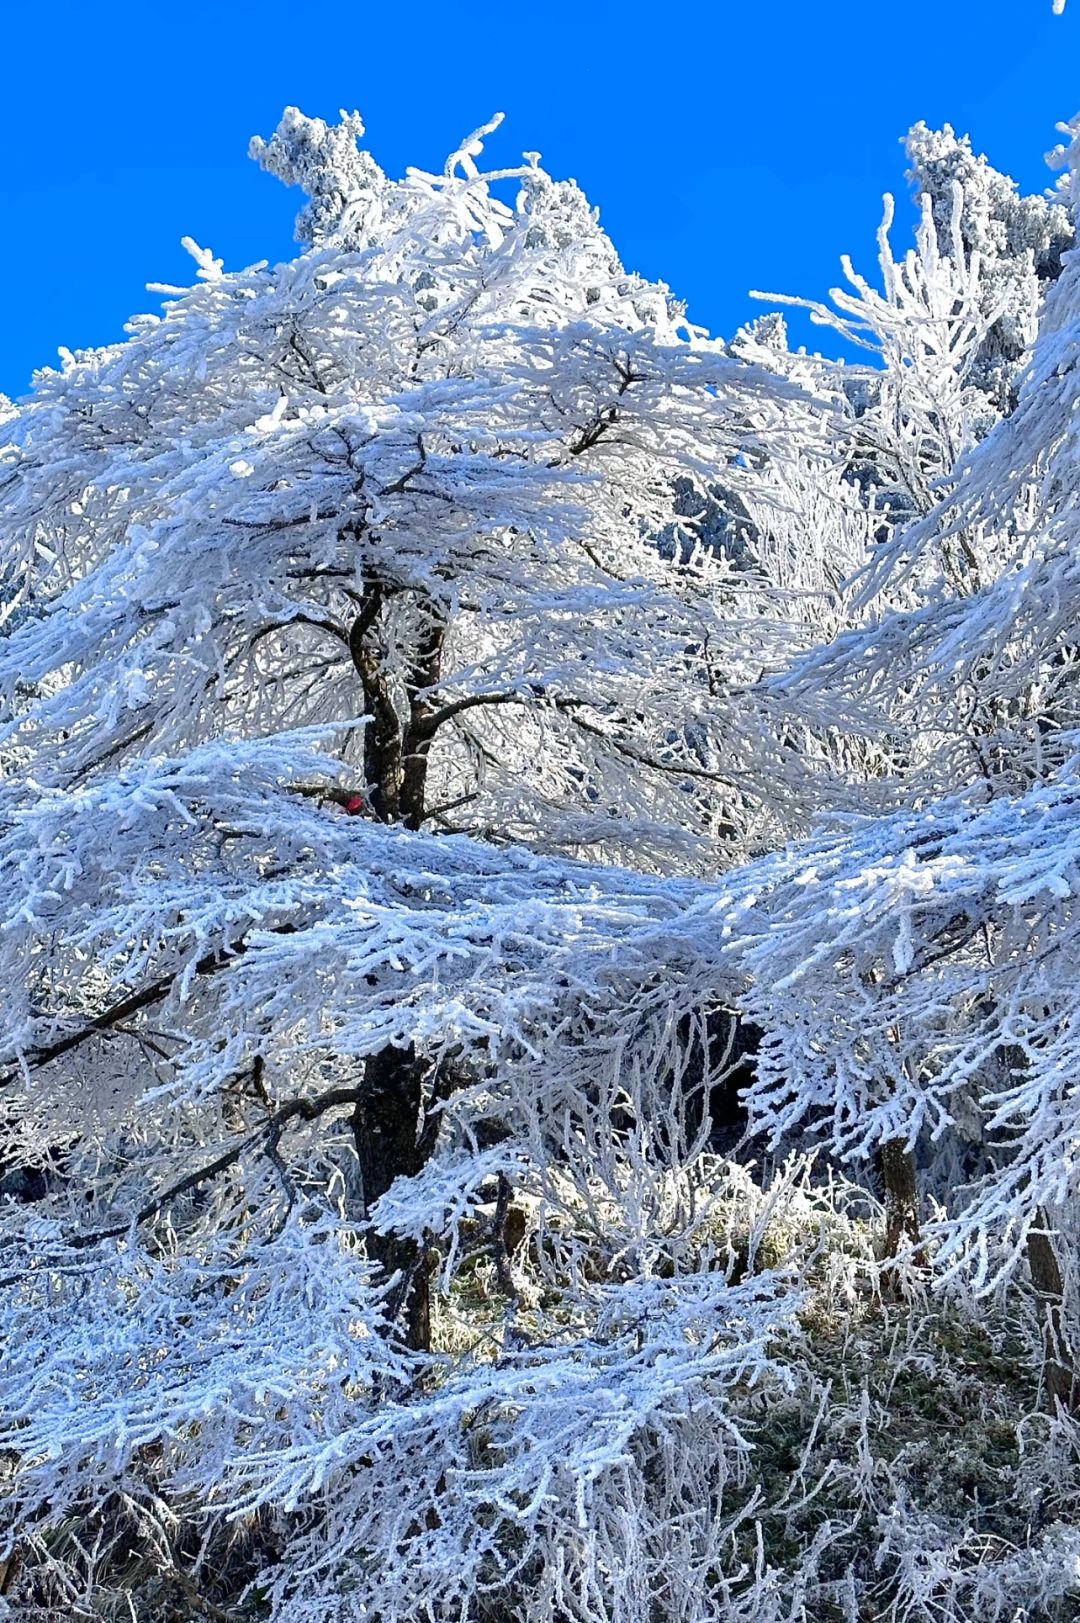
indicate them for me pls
(355, 804)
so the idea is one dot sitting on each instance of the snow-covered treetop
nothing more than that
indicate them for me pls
(1019, 242)
(433, 453)
(967, 648)
(326, 160)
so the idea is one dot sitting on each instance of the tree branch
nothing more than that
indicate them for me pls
(430, 724)
(269, 1133)
(144, 998)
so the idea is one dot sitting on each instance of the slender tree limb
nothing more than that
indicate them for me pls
(265, 1139)
(429, 725)
(145, 998)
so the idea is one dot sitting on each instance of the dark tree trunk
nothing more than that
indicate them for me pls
(1060, 1376)
(1059, 1372)
(900, 1182)
(389, 1145)
(386, 1123)
(382, 735)
(416, 743)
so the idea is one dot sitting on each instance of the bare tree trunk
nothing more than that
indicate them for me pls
(389, 1145)
(386, 1122)
(900, 1182)
(1059, 1372)
(382, 735)
(417, 740)
(900, 1179)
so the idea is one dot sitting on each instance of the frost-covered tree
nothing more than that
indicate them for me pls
(945, 333)
(939, 937)
(1018, 242)
(409, 490)
(413, 734)
(967, 647)
(417, 476)
(326, 569)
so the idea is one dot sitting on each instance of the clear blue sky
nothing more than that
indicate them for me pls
(728, 145)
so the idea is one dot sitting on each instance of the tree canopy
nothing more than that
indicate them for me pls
(539, 928)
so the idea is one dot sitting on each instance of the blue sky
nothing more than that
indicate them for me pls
(728, 146)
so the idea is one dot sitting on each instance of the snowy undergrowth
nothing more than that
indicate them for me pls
(742, 1424)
